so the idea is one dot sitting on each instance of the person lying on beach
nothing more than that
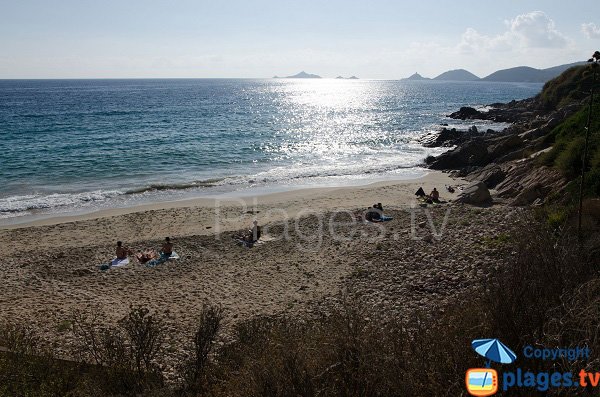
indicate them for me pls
(146, 256)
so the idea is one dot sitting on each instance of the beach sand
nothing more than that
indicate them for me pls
(50, 268)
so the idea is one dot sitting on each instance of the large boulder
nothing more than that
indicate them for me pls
(475, 193)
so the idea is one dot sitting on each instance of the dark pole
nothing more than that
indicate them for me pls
(587, 139)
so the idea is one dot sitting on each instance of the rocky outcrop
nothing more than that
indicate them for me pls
(512, 112)
(473, 152)
(525, 184)
(445, 138)
(503, 160)
(475, 193)
(491, 175)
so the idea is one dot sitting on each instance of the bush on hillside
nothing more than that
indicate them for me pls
(573, 85)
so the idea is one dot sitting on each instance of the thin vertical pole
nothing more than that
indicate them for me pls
(585, 150)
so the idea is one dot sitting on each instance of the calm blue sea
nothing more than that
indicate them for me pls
(80, 145)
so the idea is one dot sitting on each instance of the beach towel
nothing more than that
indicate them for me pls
(382, 218)
(119, 262)
(247, 244)
(116, 262)
(162, 259)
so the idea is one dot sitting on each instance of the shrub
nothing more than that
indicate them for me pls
(126, 353)
(195, 367)
(569, 160)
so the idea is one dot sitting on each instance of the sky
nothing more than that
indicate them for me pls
(378, 39)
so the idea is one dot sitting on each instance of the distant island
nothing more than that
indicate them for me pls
(416, 77)
(301, 75)
(347, 78)
(457, 75)
(519, 74)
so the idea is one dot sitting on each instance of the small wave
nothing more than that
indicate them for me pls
(157, 187)
(16, 204)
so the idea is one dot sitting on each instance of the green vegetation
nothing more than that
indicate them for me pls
(557, 217)
(573, 85)
(496, 241)
(568, 143)
(568, 138)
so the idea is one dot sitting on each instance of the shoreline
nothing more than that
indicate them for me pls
(281, 199)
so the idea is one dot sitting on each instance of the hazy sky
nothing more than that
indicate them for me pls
(219, 38)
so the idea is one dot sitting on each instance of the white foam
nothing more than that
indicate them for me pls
(9, 206)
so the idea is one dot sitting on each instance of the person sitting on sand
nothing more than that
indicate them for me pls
(251, 236)
(254, 234)
(374, 213)
(420, 193)
(167, 248)
(434, 196)
(122, 252)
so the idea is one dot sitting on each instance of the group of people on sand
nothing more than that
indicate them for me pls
(151, 257)
(148, 254)
(433, 197)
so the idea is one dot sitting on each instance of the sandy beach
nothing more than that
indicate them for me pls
(313, 249)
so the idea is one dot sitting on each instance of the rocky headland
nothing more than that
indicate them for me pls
(507, 161)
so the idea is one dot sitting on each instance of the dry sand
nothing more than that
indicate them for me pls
(50, 268)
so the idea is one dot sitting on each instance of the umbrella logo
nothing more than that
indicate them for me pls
(483, 382)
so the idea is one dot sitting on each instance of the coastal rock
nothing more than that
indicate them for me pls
(470, 153)
(475, 193)
(491, 175)
(514, 155)
(446, 138)
(525, 184)
(505, 145)
(465, 113)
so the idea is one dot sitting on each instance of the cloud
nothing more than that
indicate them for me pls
(526, 31)
(536, 29)
(590, 30)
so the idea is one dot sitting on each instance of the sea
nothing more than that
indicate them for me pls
(78, 146)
